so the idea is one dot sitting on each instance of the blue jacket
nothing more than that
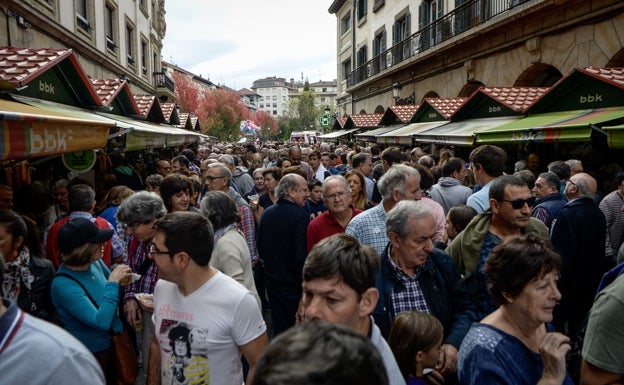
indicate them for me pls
(440, 283)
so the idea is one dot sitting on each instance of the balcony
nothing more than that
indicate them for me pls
(164, 86)
(466, 16)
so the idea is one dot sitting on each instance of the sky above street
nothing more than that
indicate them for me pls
(234, 42)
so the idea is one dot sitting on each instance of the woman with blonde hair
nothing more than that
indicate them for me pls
(358, 190)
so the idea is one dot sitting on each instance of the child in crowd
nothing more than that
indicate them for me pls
(314, 203)
(457, 219)
(415, 339)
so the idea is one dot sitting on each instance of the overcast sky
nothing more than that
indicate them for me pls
(234, 42)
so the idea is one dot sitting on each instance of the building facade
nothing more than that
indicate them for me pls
(448, 48)
(274, 94)
(113, 39)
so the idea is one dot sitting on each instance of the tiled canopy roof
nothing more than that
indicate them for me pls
(107, 89)
(404, 112)
(446, 106)
(614, 76)
(21, 65)
(144, 102)
(366, 120)
(516, 98)
(167, 109)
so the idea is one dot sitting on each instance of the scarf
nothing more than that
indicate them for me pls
(17, 274)
(219, 232)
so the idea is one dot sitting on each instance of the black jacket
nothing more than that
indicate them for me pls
(37, 301)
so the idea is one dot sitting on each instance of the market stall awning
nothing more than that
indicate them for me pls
(460, 133)
(334, 135)
(567, 126)
(404, 135)
(142, 135)
(29, 131)
(615, 136)
(371, 136)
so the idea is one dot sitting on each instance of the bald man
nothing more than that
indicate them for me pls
(579, 235)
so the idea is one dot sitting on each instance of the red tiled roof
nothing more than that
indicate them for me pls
(183, 118)
(341, 121)
(144, 102)
(366, 120)
(21, 65)
(193, 121)
(614, 76)
(167, 109)
(446, 106)
(516, 98)
(107, 89)
(404, 112)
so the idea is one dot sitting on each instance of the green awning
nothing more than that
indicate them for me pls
(567, 126)
(371, 136)
(461, 133)
(404, 135)
(615, 136)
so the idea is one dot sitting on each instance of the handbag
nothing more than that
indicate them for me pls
(123, 354)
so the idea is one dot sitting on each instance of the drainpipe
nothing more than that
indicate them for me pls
(8, 26)
(353, 51)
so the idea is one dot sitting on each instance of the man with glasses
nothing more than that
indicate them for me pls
(340, 211)
(218, 177)
(399, 183)
(579, 235)
(217, 318)
(509, 214)
(138, 213)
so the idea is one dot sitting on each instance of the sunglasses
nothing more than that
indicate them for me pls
(519, 203)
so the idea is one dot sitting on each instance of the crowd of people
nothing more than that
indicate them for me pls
(268, 263)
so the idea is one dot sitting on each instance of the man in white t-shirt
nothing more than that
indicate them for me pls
(203, 319)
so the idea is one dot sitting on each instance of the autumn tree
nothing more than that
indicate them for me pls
(186, 93)
(223, 121)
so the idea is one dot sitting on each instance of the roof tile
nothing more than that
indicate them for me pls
(516, 98)
(404, 112)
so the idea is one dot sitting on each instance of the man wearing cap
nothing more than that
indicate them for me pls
(221, 317)
(81, 205)
(27, 342)
(139, 212)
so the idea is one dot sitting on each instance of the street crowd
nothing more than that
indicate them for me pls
(280, 263)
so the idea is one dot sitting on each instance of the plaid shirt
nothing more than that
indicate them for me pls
(148, 280)
(370, 228)
(247, 225)
(411, 297)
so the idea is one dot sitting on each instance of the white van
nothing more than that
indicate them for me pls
(304, 137)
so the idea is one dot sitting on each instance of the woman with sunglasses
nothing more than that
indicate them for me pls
(509, 214)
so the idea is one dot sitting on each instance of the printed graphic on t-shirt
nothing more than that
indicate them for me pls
(185, 348)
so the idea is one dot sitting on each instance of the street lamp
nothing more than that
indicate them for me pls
(396, 91)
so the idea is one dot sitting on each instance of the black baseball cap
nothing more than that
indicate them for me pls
(80, 231)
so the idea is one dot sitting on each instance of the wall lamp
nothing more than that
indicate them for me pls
(396, 90)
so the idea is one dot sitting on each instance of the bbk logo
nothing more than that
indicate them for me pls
(495, 109)
(50, 140)
(46, 87)
(591, 98)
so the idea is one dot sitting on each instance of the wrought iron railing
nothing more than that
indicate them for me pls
(161, 79)
(468, 15)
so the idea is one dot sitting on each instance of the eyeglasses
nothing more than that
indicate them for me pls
(572, 183)
(212, 178)
(519, 203)
(154, 251)
(339, 195)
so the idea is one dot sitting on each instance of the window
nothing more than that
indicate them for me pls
(82, 14)
(144, 63)
(361, 56)
(345, 24)
(379, 43)
(346, 69)
(401, 29)
(110, 27)
(361, 9)
(130, 43)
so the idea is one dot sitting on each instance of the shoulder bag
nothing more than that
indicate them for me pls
(124, 356)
